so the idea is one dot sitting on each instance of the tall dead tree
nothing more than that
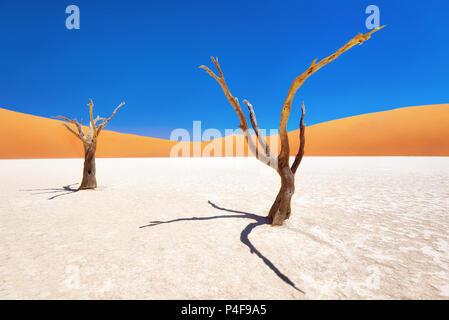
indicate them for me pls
(281, 208)
(90, 143)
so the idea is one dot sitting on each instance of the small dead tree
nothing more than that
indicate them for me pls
(90, 144)
(281, 208)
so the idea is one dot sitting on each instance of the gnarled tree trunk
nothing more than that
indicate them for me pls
(281, 208)
(89, 171)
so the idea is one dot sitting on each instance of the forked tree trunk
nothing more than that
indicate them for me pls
(89, 171)
(281, 208)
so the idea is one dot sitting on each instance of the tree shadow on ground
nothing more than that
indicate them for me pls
(244, 235)
(64, 190)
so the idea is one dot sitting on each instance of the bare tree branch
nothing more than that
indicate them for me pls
(92, 122)
(73, 131)
(270, 161)
(66, 119)
(80, 133)
(243, 123)
(260, 138)
(234, 102)
(106, 121)
(90, 135)
(297, 83)
(302, 141)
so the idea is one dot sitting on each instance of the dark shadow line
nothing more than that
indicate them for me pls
(244, 235)
(67, 187)
(260, 219)
(62, 194)
(155, 223)
(55, 190)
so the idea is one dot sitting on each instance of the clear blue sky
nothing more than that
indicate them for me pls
(147, 53)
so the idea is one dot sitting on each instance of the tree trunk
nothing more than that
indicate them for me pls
(89, 171)
(281, 208)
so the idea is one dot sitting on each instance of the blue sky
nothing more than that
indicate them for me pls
(147, 53)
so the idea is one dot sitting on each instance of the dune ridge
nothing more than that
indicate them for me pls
(409, 131)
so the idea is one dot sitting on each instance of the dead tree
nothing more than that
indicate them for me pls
(281, 208)
(90, 144)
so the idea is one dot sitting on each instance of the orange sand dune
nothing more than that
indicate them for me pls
(412, 131)
(27, 136)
